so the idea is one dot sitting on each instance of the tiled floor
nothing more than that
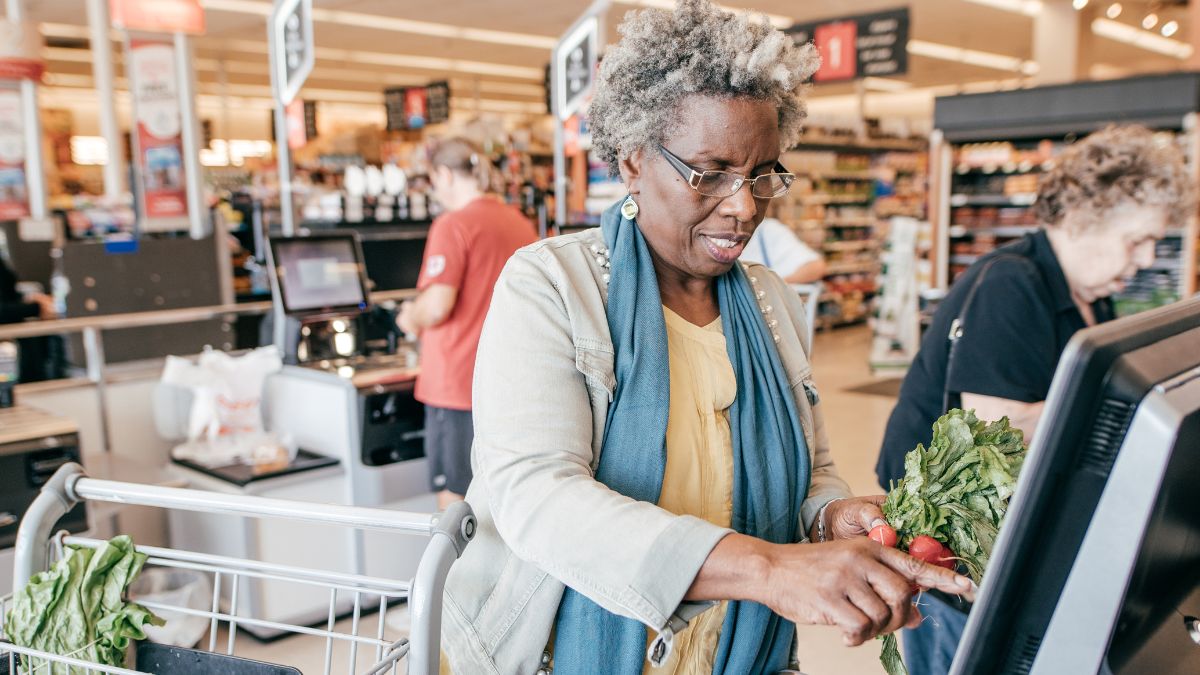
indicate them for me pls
(855, 423)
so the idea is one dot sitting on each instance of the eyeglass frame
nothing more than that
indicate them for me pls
(693, 176)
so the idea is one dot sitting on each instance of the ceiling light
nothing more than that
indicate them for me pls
(973, 57)
(1151, 21)
(885, 84)
(1079, 4)
(1132, 35)
(392, 23)
(777, 20)
(1026, 7)
(1114, 10)
(1170, 28)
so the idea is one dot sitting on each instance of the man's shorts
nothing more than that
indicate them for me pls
(448, 437)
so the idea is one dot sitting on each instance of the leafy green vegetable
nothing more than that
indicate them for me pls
(890, 656)
(957, 489)
(957, 492)
(77, 608)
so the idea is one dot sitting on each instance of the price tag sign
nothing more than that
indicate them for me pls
(291, 47)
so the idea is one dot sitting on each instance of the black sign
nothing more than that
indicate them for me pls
(310, 120)
(393, 103)
(437, 102)
(399, 106)
(867, 45)
(576, 68)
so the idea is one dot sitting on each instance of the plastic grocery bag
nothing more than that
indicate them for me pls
(225, 424)
(177, 588)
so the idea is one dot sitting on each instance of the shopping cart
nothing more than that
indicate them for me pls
(448, 532)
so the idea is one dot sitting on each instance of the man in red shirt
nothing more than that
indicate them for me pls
(467, 248)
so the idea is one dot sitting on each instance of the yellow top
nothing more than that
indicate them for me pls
(698, 480)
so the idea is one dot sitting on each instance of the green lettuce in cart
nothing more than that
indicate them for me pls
(77, 608)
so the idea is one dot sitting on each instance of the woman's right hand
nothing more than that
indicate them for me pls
(861, 587)
(857, 585)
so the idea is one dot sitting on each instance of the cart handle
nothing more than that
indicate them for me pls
(70, 485)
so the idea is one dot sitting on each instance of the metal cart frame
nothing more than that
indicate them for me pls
(449, 533)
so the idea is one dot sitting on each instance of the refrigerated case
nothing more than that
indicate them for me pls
(988, 150)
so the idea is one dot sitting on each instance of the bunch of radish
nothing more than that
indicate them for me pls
(923, 547)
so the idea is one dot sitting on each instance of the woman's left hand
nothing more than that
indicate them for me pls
(850, 518)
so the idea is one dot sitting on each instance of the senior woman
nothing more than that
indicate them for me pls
(648, 445)
(1103, 205)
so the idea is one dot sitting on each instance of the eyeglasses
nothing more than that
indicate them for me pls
(712, 183)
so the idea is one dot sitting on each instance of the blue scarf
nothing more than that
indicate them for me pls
(770, 458)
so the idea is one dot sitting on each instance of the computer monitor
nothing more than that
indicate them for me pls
(393, 260)
(319, 274)
(1096, 568)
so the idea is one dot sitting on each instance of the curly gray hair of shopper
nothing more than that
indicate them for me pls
(1118, 165)
(665, 56)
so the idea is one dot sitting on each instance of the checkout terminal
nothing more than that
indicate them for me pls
(1097, 567)
(353, 417)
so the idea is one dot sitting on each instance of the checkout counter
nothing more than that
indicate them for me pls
(357, 426)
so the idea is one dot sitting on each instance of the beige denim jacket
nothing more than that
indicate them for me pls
(543, 382)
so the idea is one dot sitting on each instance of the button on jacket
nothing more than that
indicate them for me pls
(544, 379)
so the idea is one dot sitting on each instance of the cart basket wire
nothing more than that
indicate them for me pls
(448, 533)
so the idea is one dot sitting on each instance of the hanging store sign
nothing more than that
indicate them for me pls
(291, 47)
(414, 107)
(297, 129)
(155, 89)
(867, 45)
(14, 191)
(19, 58)
(158, 16)
(437, 102)
(575, 67)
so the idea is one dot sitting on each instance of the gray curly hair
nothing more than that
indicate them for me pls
(1114, 166)
(696, 49)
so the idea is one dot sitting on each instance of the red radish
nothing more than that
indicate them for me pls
(947, 559)
(926, 548)
(884, 534)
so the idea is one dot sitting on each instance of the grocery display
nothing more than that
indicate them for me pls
(990, 150)
(840, 206)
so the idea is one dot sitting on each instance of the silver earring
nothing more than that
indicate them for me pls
(629, 209)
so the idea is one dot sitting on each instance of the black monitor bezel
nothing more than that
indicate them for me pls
(277, 271)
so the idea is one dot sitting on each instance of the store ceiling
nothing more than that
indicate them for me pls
(362, 49)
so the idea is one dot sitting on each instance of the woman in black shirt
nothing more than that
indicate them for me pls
(1103, 206)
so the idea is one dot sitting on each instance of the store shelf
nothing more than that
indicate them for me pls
(837, 199)
(851, 268)
(1166, 265)
(822, 142)
(851, 222)
(993, 200)
(851, 245)
(960, 231)
(837, 175)
(996, 171)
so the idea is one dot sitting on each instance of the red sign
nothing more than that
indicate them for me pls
(19, 44)
(159, 131)
(414, 107)
(158, 16)
(839, 54)
(14, 191)
(296, 132)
